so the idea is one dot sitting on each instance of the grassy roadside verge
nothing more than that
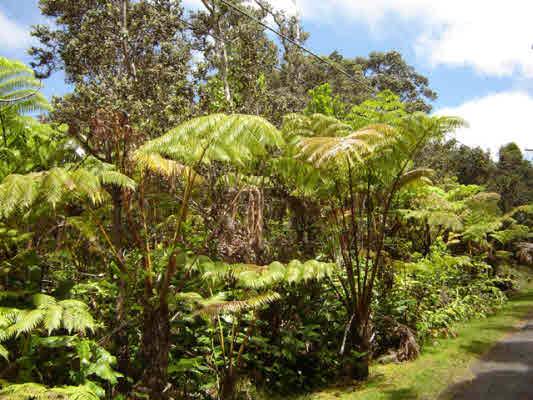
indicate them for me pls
(442, 363)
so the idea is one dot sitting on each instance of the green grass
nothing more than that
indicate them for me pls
(443, 363)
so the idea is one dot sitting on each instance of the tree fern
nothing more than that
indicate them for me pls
(72, 315)
(356, 145)
(237, 139)
(215, 306)
(19, 192)
(261, 277)
(19, 89)
(30, 391)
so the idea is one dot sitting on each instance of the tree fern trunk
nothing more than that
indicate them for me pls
(121, 339)
(155, 347)
(354, 366)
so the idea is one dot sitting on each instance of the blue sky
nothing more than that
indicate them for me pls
(477, 54)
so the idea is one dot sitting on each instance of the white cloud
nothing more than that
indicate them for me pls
(12, 35)
(495, 120)
(492, 36)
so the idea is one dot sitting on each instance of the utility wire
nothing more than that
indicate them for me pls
(193, 28)
(304, 49)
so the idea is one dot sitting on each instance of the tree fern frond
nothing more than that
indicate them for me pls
(73, 315)
(237, 306)
(234, 138)
(19, 192)
(260, 277)
(415, 176)
(7, 317)
(52, 318)
(25, 322)
(29, 391)
(117, 179)
(4, 353)
(76, 316)
(299, 125)
(43, 300)
(154, 162)
(513, 233)
(19, 88)
(447, 220)
(355, 146)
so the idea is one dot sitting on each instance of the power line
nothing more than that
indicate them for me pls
(316, 56)
(192, 28)
(295, 43)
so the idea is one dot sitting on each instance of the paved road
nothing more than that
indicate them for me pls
(504, 373)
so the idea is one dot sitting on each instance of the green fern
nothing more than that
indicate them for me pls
(19, 89)
(20, 192)
(237, 139)
(50, 314)
(216, 305)
(300, 125)
(34, 391)
(261, 277)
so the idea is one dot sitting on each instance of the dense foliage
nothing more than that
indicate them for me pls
(194, 222)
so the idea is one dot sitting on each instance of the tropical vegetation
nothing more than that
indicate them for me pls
(213, 214)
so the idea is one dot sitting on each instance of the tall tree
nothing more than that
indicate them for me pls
(120, 54)
(129, 64)
(513, 177)
(470, 165)
(238, 59)
(389, 71)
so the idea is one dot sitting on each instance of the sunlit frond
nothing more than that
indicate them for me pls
(261, 277)
(19, 192)
(235, 139)
(19, 89)
(26, 391)
(419, 175)
(215, 307)
(300, 125)
(355, 146)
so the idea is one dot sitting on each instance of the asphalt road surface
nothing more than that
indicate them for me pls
(504, 373)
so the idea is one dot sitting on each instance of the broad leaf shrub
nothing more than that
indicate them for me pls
(436, 291)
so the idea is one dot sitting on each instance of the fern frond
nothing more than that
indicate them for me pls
(356, 146)
(115, 178)
(43, 300)
(73, 315)
(513, 233)
(236, 139)
(76, 316)
(19, 192)
(155, 163)
(4, 353)
(299, 125)
(19, 88)
(260, 277)
(419, 175)
(29, 391)
(25, 322)
(236, 306)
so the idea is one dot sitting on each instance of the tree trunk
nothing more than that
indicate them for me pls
(228, 381)
(121, 338)
(355, 366)
(155, 347)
